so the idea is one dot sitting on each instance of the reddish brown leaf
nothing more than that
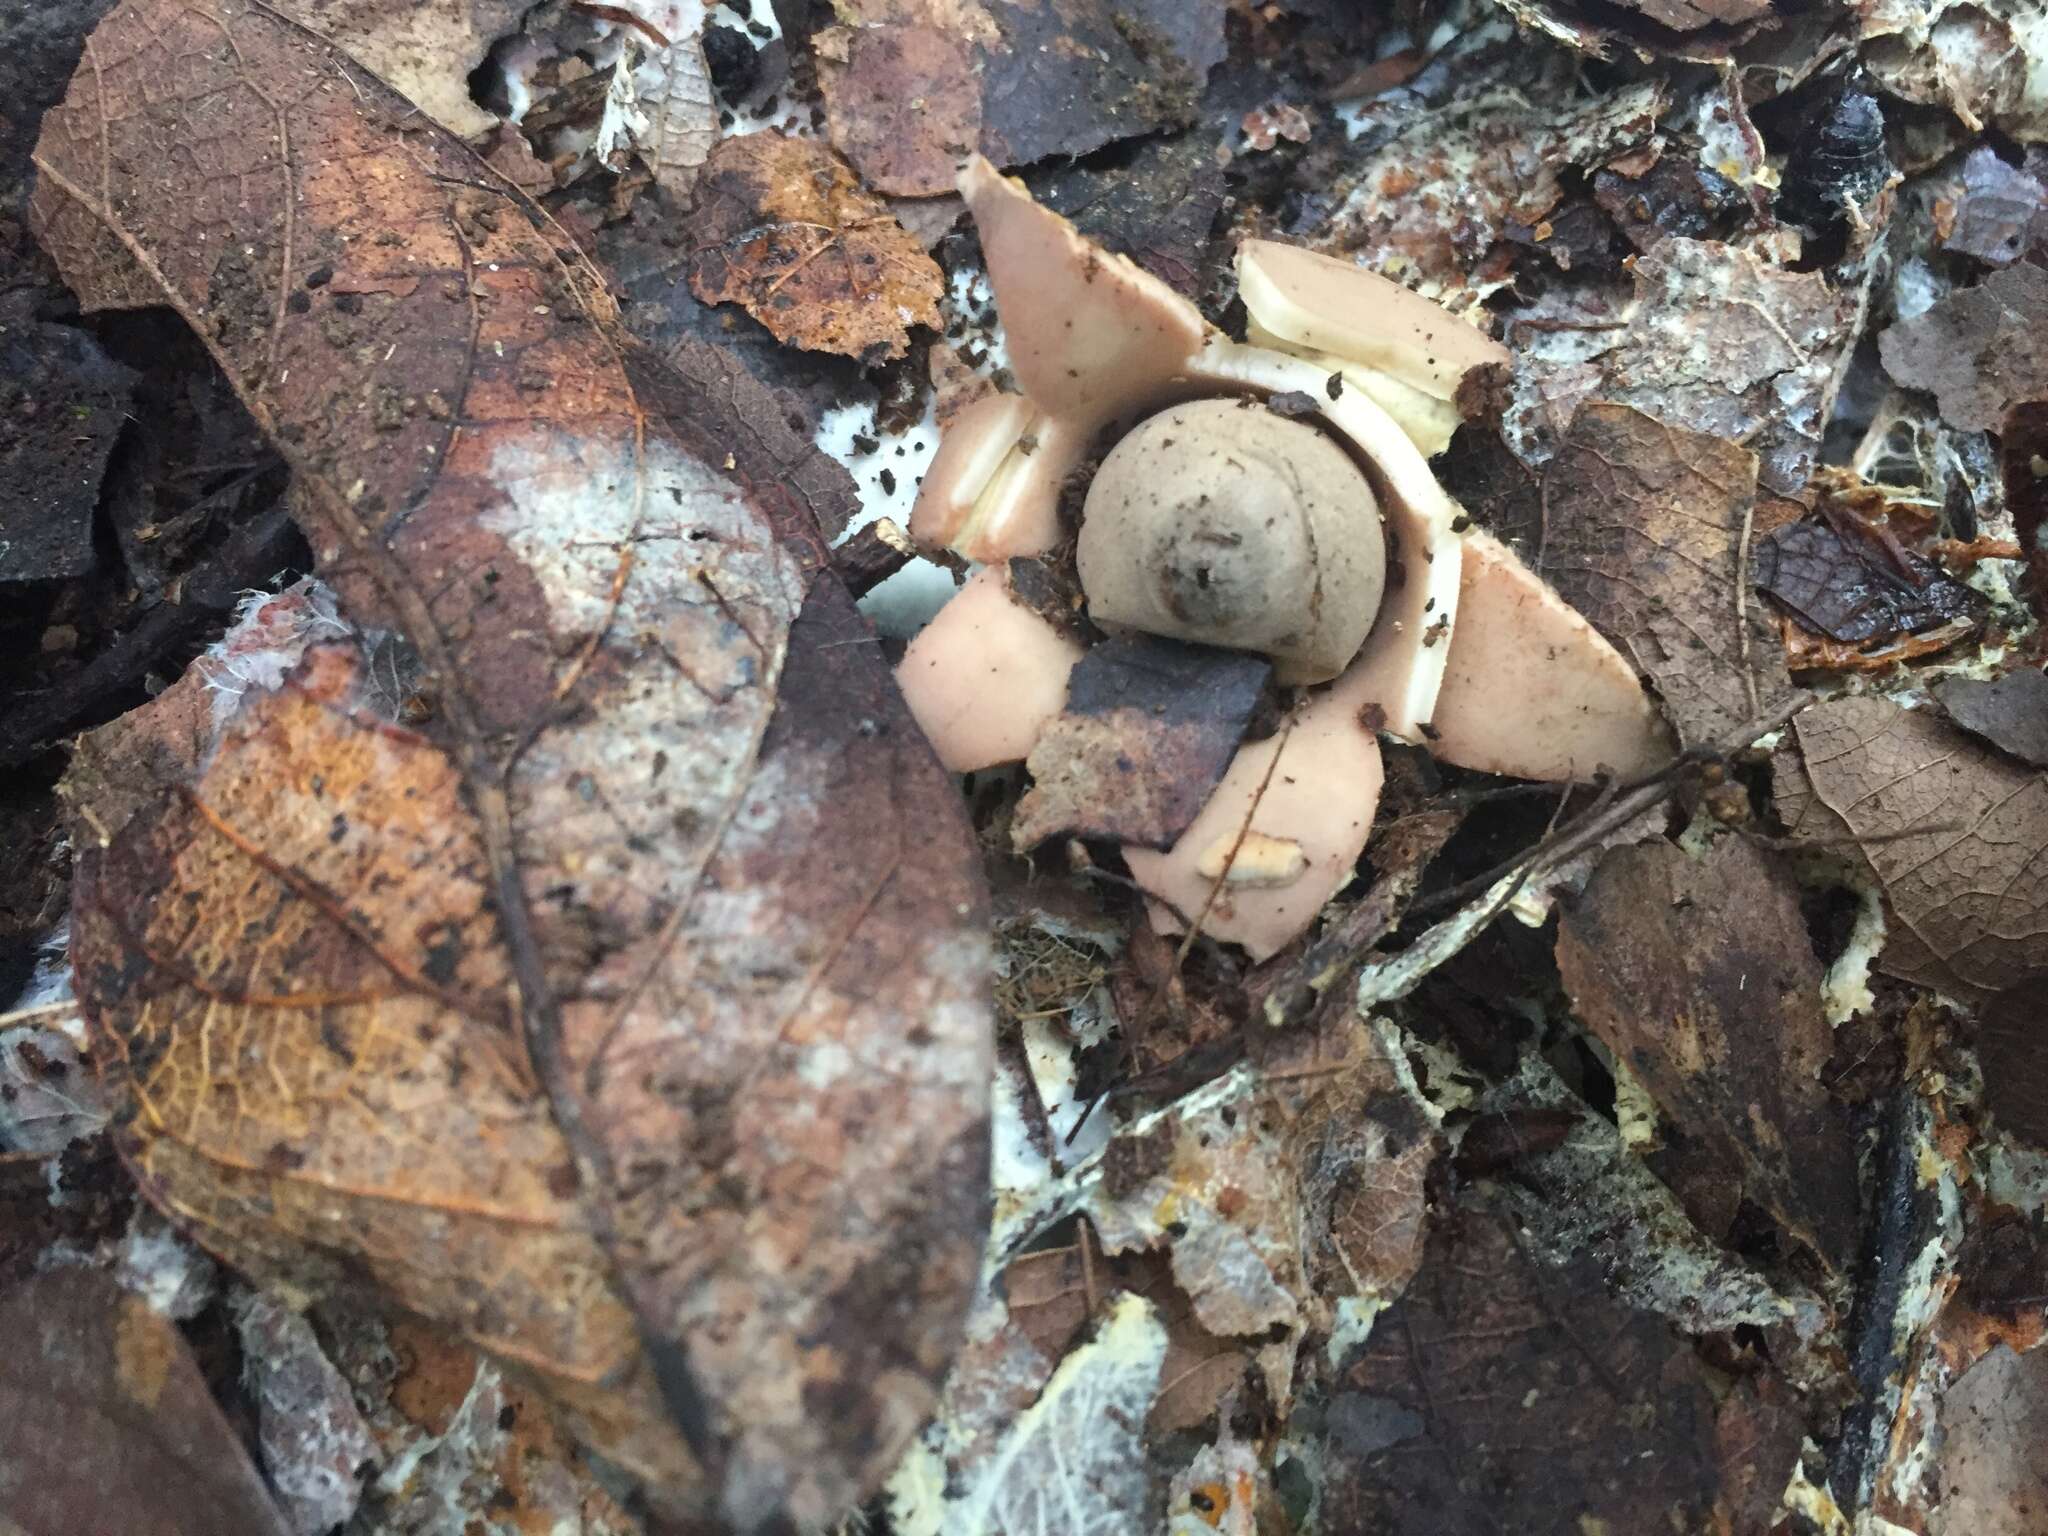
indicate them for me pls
(110, 1423)
(680, 918)
(1954, 830)
(1643, 534)
(1150, 727)
(1979, 351)
(1698, 975)
(783, 228)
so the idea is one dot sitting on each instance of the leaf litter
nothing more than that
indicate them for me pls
(561, 863)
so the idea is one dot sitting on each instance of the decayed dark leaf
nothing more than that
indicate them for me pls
(1363, 1150)
(1849, 590)
(1497, 1383)
(1643, 534)
(2003, 210)
(2010, 712)
(911, 86)
(1838, 161)
(110, 1423)
(61, 404)
(1698, 975)
(1955, 831)
(783, 228)
(681, 919)
(2012, 1044)
(1149, 728)
(1979, 351)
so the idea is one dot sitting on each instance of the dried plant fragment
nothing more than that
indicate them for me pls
(1979, 352)
(1721, 341)
(660, 101)
(1150, 727)
(1644, 534)
(783, 228)
(1699, 977)
(2010, 712)
(112, 1427)
(1992, 1417)
(1983, 62)
(1956, 833)
(718, 961)
(316, 1446)
(1488, 151)
(1049, 1291)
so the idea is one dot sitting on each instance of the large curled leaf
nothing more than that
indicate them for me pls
(624, 1006)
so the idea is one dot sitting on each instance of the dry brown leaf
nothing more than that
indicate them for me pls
(1979, 351)
(1363, 1150)
(425, 52)
(1048, 1299)
(912, 87)
(1497, 1381)
(1955, 831)
(1699, 977)
(111, 1425)
(679, 915)
(1643, 533)
(783, 228)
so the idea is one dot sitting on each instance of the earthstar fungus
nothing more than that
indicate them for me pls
(1318, 537)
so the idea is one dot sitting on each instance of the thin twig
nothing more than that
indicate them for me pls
(1623, 808)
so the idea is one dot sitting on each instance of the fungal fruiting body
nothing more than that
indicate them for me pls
(1318, 537)
(1220, 522)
